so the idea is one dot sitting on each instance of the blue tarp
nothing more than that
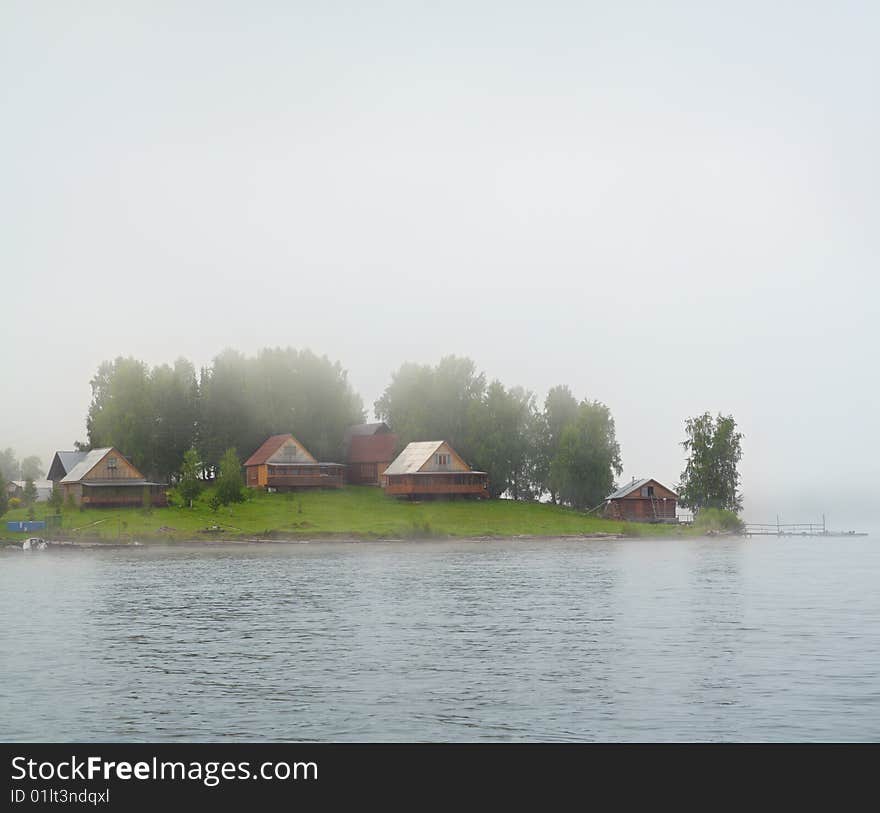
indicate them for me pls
(26, 526)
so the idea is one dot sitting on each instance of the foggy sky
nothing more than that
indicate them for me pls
(671, 207)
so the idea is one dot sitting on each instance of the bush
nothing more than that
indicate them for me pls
(230, 485)
(717, 519)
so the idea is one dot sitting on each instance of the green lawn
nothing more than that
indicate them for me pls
(355, 511)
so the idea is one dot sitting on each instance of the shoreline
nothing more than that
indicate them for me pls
(96, 543)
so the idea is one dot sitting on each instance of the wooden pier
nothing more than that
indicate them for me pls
(796, 529)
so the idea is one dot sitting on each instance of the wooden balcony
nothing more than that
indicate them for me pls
(424, 485)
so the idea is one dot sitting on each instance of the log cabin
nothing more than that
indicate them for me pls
(282, 463)
(369, 450)
(104, 478)
(643, 500)
(430, 469)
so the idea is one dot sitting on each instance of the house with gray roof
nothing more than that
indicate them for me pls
(644, 500)
(104, 478)
(432, 468)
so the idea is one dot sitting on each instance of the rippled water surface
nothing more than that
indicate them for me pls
(507, 640)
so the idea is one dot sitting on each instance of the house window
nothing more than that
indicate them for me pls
(111, 462)
(442, 459)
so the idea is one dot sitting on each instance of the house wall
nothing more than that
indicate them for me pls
(256, 476)
(292, 451)
(123, 470)
(455, 462)
(72, 489)
(641, 509)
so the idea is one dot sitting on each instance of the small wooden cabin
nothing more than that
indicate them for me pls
(103, 478)
(282, 463)
(433, 468)
(369, 450)
(642, 501)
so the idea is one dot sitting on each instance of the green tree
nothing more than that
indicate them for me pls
(32, 468)
(122, 412)
(434, 403)
(10, 469)
(56, 500)
(230, 486)
(502, 439)
(560, 411)
(30, 492)
(588, 457)
(175, 401)
(190, 484)
(243, 400)
(4, 496)
(711, 478)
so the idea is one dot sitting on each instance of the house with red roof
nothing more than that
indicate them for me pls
(369, 450)
(282, 463)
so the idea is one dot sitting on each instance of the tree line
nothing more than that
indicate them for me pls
(566, 448)
(174, 423)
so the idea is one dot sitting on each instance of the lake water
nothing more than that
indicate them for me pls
(760, 639)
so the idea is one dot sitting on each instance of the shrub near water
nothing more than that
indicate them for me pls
(717, 519)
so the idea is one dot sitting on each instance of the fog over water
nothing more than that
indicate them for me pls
(670, 207)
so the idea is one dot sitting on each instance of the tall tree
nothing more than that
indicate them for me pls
(230, 485)
(9, 465)
(32, 468)
(588, 457)
(30, 492)
(560, 411)
(4, 496)
(434, 403)
(190, 483)
(711, 478)
(175, 397)
(122, 412)
(502, 436)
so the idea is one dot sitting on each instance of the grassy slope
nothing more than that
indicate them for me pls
(356, 511)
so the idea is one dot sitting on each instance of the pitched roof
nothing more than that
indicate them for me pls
(85, 465)
(633, 486)
(413, 457)
(67, 460)
(270, 446)
(372, 448)
(367, 429)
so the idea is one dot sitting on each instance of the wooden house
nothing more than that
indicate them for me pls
(282, 463)
(103, 478)
(369, 450)
(642, 501)
(433, 468)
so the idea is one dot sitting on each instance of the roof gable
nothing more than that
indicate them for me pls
(358, 429)
(63, 463)
(92, 459)
(418, 456)
(635, 485)
(274, 450)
